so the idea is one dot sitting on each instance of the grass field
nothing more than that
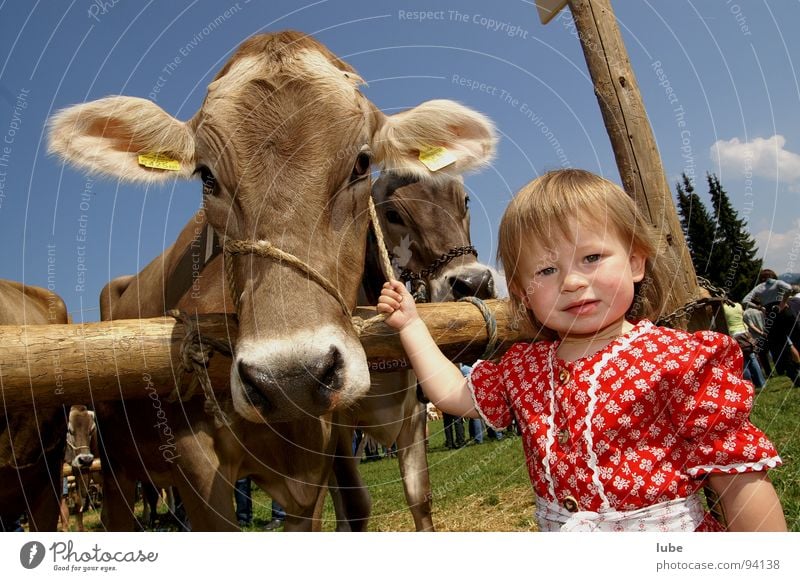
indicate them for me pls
(486, 487)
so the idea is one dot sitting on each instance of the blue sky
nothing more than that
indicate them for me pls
(718, 79)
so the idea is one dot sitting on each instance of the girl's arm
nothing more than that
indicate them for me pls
(749, 502)
(441, 381)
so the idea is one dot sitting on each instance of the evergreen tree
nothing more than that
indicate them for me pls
(698, 229)
(737, 264)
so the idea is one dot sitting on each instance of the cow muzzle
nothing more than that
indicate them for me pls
(82, 461)
(282, 380)
(465, 281)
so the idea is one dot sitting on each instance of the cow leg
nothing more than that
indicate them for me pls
(320, 507)
(119, 499)
(45, 509)
(63, 516)
(205, 486)
(413, 462)
(79, 520)
(148, 505)
(351, 500)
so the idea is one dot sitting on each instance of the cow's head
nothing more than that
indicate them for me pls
(81, 437)
(426, 226)
(283, 144)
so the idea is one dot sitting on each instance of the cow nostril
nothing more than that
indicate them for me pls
(86, 460)
(249, 374)
(326, 371)
(461, 287)
(479, 285)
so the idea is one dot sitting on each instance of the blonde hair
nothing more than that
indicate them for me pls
(544, 208)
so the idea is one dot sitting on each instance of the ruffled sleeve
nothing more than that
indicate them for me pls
(710, 407)
(488, 383)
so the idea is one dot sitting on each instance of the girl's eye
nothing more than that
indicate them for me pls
(546, 271)
(592, 258)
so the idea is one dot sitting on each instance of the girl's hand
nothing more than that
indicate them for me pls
(398, 305)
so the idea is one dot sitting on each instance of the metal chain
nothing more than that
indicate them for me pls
(718, 295)
(408, 275)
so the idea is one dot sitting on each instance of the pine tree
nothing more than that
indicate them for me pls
(737, 266)
(698, 229)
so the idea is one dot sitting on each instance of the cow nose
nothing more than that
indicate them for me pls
(318, 376)
(85, 460)
(475, 284)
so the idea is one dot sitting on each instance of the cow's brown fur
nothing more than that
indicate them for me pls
(283, 130)
(32, 440)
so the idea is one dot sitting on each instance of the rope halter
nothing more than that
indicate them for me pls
(265, 249)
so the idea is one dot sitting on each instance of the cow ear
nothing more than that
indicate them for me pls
(437, 138)
(109, 135)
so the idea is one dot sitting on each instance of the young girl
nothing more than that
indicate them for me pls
(622, 421)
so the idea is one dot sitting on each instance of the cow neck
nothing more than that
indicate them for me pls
(207, 244)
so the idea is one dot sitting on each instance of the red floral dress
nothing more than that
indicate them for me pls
(638, 423)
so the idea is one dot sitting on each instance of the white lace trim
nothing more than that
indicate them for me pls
(551, 425)
(738, 468)
(622, 343)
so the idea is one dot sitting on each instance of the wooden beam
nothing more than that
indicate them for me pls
(46, 365)
(632, 139)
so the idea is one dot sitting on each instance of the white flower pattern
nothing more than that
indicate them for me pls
(671, 407)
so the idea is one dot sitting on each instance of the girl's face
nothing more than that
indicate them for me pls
(582, 283)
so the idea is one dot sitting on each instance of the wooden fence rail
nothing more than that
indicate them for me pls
(86, 363)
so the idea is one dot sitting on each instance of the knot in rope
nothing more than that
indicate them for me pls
(196, 352)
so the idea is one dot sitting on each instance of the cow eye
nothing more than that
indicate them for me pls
(466, 202)
(208, 179)
(361, 166)
(394, 218)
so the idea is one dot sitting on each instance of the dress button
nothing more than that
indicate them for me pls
(570, 504)
(563, 376)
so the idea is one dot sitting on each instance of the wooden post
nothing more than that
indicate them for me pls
(632, 139)
(46, 365)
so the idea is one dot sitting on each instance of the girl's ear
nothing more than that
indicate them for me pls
(638, 261)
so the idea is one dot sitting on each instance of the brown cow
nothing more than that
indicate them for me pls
(284, 143)
(426, 226)
(81, 451)
(31, 441)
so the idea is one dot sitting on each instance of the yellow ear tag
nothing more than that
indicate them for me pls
(158, 161)
(435, 158)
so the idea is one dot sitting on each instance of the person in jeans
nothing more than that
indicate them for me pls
(244, 502)
(783, 334)
(734, 317)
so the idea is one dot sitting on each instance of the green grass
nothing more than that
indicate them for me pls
(777, 412)
(476, 488)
